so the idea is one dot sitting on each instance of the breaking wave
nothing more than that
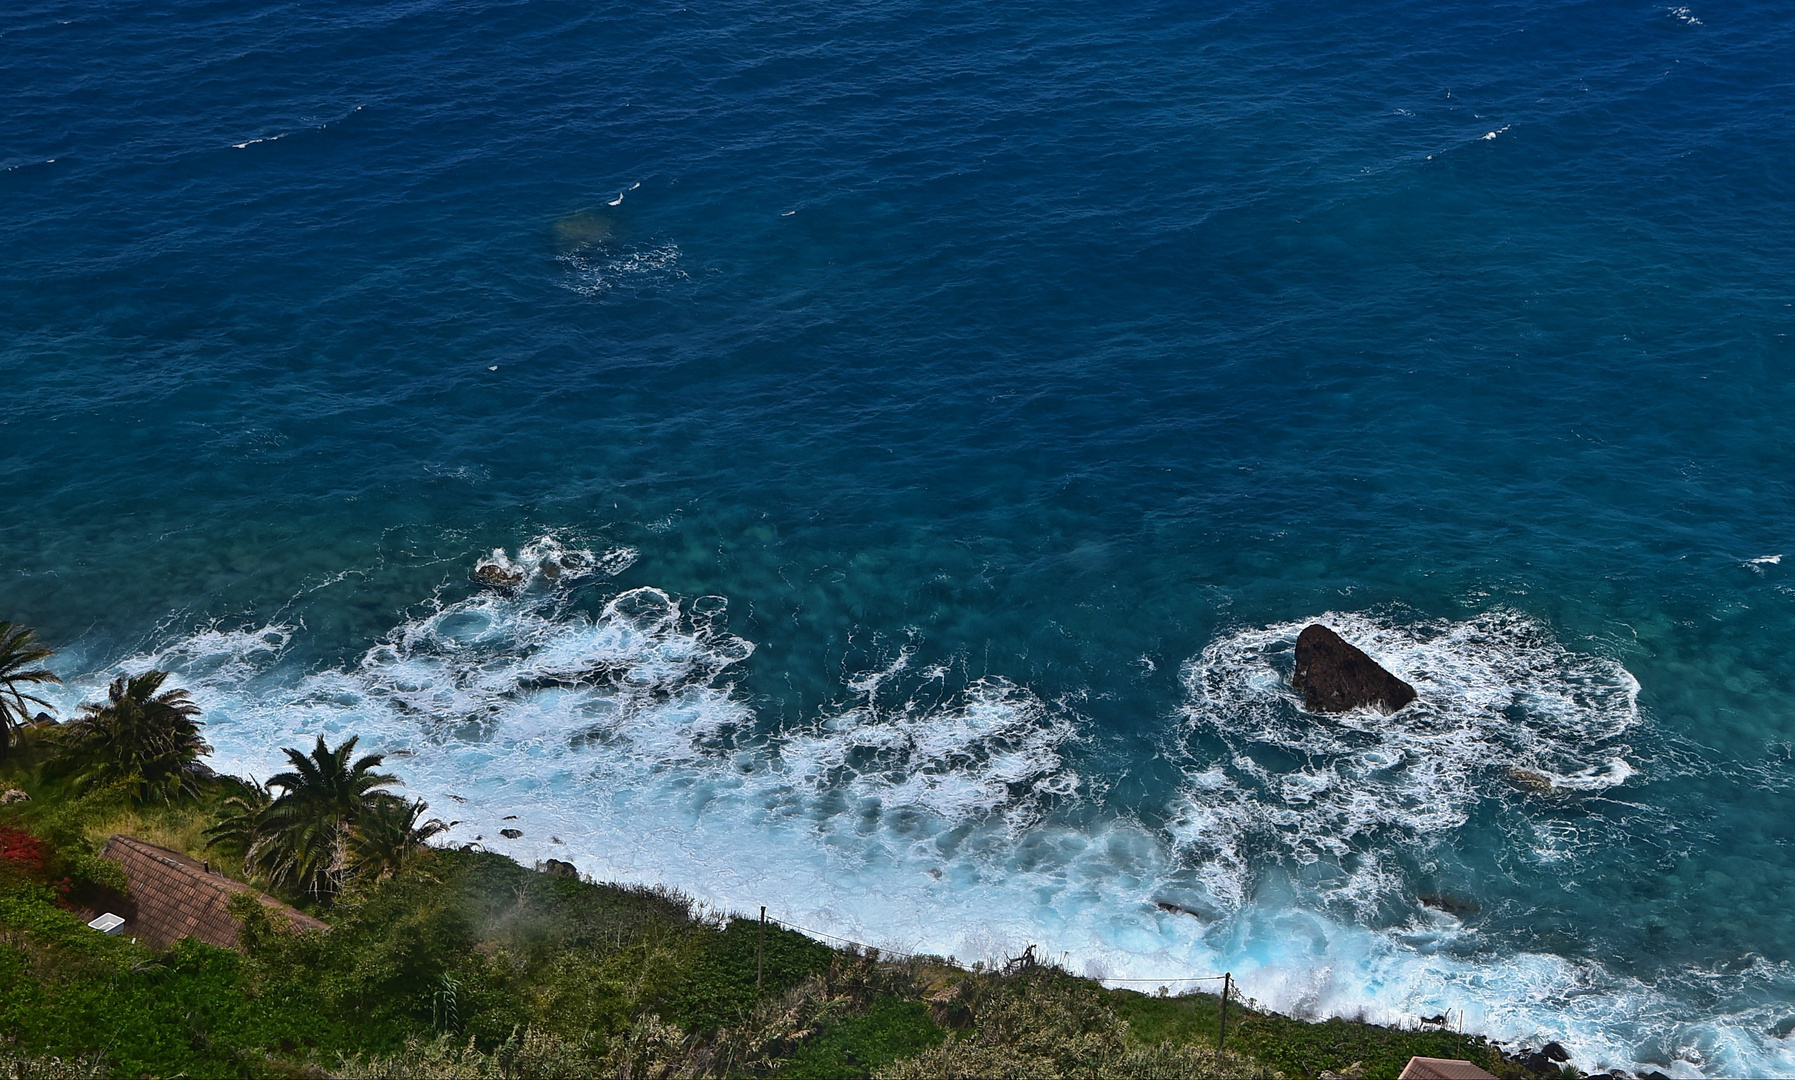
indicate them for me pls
(518, 693)
(1505, 713)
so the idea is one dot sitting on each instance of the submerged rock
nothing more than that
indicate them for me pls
(511, 834)
(1451, 905)
(581, 230)
(1528, 780)
(1336, 677)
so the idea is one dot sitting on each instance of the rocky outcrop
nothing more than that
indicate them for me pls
(1547, 1060)
(1529, 780)
(493, 573)
(1336, 677)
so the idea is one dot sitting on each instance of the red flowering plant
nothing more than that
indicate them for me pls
(23, 853)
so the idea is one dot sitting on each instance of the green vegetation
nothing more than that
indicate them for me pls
(20, 660)
(1300, 1047)
(331, 822)
(461, 963)
(142, 742)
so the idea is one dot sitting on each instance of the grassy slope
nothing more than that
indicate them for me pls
(554, 976)
(1296, 1047)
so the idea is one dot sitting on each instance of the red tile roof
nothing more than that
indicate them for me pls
(173, 896)
(1426, 1068)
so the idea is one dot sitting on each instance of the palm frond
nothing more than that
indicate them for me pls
(139, 739)
(331, 816)
(18, 652)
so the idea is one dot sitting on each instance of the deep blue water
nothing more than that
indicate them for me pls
(962, 407)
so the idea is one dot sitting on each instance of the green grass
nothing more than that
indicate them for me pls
(891, 1029)
(1296, 1047)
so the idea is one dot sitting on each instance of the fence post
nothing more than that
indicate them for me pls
(1221, 1043)
(760, 950)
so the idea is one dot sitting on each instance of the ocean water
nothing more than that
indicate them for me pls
(917, 434)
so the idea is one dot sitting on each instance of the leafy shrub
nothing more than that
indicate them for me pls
(1305, 1048)
(890, 1030)
(535, 1054)
(1052, 1025)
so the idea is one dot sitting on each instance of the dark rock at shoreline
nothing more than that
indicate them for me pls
(511, 834)
(1336, 677)
(1542, 1062)
(557, 868)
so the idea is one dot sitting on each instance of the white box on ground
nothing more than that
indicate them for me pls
(108, 923)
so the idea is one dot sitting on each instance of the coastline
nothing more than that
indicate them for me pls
(848, 1010)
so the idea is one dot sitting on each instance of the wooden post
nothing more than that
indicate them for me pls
(1227, 984)
(760, 950)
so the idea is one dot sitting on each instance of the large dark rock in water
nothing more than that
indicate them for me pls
(1335, 677)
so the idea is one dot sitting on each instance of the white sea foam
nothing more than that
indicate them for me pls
(598, 271)
(639, 694)
(992, 749)
(1497, 694)
(919, 813)
(546, 561)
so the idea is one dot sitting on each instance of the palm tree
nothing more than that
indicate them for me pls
(302, 837)
(237, 830)
(18, 652)
(141, 740)
(388, 834)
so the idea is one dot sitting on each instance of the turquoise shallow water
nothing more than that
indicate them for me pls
(983, 400)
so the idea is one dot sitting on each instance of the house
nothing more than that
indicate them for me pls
(173, 896)
(1427, 1068)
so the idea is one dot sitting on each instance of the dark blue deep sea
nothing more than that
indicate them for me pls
(873, 460)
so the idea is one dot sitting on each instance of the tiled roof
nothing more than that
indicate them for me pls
(1426, 1068)
(173, 896)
